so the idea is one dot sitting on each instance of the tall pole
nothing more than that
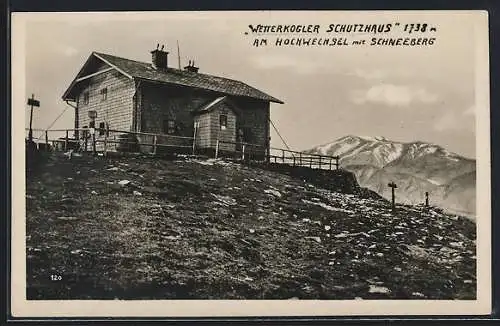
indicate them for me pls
(426, 199)
(178, 55)
(30, 134)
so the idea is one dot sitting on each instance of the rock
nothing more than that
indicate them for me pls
(459, 244)
(67, 218)
(69, 201)
(225, 200)
(136, 193)
(378, 289)
(124, 182)
(418, 294)
(93, 192)
(251, 231)
(327, 227)
(273, 192)
(317, 239)
(114, 168)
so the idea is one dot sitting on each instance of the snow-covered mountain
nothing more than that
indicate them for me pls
(416, 167)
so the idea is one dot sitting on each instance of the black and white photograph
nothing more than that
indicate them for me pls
(251, 163)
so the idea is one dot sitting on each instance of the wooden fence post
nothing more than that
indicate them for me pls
(283, 156)
(47, 140)
(310, 161)
(319, 162)
(105, 142)
(86, 141)
(155, 141)
(336, 163)
(330, 164)
(243, 152)
(66, 141)
(194, 136)
(300, 158)
(217, 149)
(294, 160)
(94, 148)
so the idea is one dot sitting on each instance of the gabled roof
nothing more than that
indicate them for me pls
(213, 104)
(208, 107)
(144, 71)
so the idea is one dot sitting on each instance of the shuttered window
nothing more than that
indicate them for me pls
(104, 94)
(223, 121)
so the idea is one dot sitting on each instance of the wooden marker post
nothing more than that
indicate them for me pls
(32, 103)
(426, 199)
(393, 186)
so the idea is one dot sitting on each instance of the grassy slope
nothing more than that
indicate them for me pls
(211, 231)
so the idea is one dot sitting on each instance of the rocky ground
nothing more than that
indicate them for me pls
(148, 228)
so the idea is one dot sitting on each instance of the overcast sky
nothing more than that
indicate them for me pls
(402, 93)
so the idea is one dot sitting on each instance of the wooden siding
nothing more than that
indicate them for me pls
(229, 134)
(116, 110)
(160, 103)
(203, 132)
(254, 116)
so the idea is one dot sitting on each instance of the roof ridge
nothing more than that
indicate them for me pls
(147, 63)
(144, 70)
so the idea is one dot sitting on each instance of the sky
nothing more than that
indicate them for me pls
(424, 93)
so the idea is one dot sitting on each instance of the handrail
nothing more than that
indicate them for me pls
(248, 151)
(300, 159)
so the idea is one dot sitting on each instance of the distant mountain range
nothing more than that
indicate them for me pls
(416, 167)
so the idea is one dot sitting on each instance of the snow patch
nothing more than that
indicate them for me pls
(327, 207)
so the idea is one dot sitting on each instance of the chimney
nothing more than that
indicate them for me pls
(159, 58)
(191, 67)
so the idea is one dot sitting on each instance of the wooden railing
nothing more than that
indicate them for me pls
(104, 140)
(247, 151)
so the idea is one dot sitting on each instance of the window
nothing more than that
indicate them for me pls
(169, 126)
(223, 121)
(102, 128)
(92, 124)
(86, 98)
(104, 94)
(85, 133)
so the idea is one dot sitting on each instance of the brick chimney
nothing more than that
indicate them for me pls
(159, 58)
(191, 67)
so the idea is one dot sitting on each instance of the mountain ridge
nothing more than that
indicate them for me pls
(417, 167)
